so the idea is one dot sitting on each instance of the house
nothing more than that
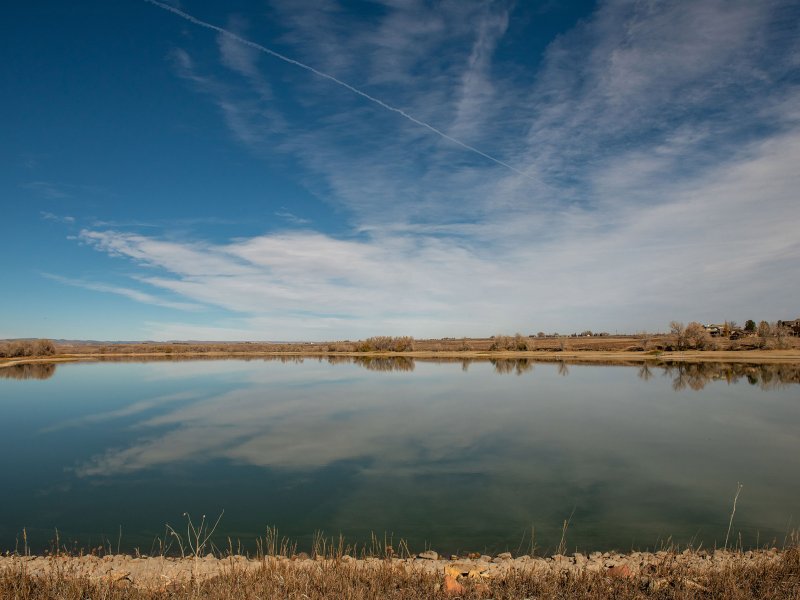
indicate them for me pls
(793, 326)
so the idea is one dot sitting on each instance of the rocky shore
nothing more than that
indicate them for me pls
(454, 575)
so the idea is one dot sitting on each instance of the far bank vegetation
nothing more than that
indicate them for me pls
(385, 343)
(728, 336)
(27, 348)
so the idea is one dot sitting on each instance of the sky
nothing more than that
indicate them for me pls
(322, 169)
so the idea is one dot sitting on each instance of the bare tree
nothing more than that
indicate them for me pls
(696, 336)
(44, 348)
(763, 332)
(676, 330)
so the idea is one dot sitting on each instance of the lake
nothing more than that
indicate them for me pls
(457, 456)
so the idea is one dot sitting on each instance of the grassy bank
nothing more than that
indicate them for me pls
(778, 344)
(682, 575)
(617, 349)
(787, 356)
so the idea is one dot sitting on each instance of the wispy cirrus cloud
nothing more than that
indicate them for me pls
(682, 257)
(236, 62)
(48, 216)
(291, 217)
(56, 190)
(660, 138)
(130, 293)
(47, 189)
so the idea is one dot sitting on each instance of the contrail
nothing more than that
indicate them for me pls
(355, 90)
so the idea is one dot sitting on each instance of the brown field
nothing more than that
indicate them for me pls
(613, 349)
(615, 344)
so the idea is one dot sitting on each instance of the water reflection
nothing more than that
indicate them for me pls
(696, 376)
(646, 372)
(276, 423)
(385, 363)
(28, 371)
(691, 375)
(456, 456)
(517, 366)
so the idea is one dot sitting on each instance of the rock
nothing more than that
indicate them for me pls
(461, 569)
(560, 558)
(452, 587)
(504, 556)
(594, 567)
(429, 555)
(457, 569)
(620, 571)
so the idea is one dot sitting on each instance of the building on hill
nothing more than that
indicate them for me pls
(793, 326)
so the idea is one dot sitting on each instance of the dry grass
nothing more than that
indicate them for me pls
(639, 347)
(516, 343)
(741, 578)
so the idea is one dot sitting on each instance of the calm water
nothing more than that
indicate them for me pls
(461, 457)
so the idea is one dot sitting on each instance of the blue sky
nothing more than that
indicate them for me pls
(492, 167)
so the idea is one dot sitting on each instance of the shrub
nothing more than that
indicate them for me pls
(385, 343)
(506, 342)
(44, 348)
(24, 348)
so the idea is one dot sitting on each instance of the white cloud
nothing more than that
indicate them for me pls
(291, 217)
(48, 216)
(127, 292)
(681, 257)
(663, 139)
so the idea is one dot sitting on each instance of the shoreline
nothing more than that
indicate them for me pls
(788, 356)
(653, 571)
